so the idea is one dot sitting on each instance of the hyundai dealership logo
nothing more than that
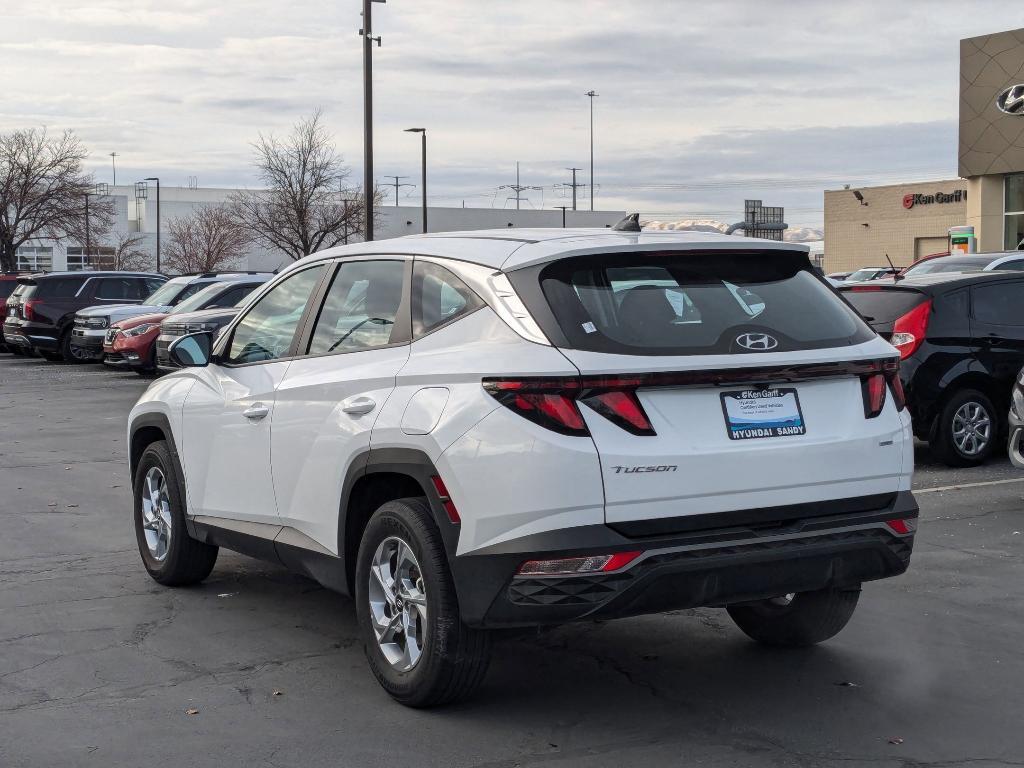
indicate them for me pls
(1011, 101)
(758, 342)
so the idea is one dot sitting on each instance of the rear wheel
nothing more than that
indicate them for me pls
(796, 620)
(172, 557)
(417, 647)
(966, 430)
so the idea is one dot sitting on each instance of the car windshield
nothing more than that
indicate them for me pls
(688, 304)
(948, 264)
(197, 299)
(165, 294)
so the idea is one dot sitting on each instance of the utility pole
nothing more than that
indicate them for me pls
(396, 185)
(113, 166)
(517, 188)
(574, 186)
(154, 178)
(591, 94)
(563, 208)
(367, 34)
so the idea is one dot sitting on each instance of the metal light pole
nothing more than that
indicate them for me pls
(423, 181)
(367, 34)
(113, 166)
(591, 94)
(154, 178)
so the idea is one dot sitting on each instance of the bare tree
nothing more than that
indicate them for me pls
(127, 255)
(43, 192)
(208, 240)
(307, 204)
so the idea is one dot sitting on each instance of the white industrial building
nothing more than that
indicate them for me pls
(137, 214)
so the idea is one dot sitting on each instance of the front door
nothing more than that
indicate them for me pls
(228, 414)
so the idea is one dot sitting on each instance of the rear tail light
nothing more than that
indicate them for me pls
(554, 403)
(899, 397)
(874, 388)
(570, 566)
(28, 309)
(909, 330)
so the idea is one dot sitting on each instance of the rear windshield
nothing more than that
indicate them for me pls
(687, 304)
(883, 306)
(935, 266)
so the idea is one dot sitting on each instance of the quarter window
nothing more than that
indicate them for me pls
(268, 329)
(438, 297)
(999, 304)
(360, 308)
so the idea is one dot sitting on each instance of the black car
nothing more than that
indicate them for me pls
(961, 342)
(43, 315)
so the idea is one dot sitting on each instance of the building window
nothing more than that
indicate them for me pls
(98, 258)
(35, 258)
(1013, 210)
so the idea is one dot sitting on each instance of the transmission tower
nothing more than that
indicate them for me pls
(397, 185)
(518, 189)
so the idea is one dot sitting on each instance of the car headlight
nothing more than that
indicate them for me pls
(140, 330)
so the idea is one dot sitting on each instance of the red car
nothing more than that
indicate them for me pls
(131, 343)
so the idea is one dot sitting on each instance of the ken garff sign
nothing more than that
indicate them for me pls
(915, 198)
(1011, 101)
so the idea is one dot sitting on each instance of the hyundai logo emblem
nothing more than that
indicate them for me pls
(758, 342)
(1011, 101)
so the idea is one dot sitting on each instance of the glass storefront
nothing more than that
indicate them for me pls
(1013, 212)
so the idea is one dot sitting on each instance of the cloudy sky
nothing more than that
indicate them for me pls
(701, 104)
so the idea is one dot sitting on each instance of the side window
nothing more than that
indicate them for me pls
(118, 288)
(231, 297)
(268, 328)
(438, 297)
(360, 308)
(999, 304)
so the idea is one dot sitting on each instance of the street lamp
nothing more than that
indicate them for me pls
(157, 180)
(591, 94)
(423, 135)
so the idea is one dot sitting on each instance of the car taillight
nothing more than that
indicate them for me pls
(554, 403)
(874, 388)
(903, 527)
(909, 330)
(550, 403)
(28, 309)
(892, 375)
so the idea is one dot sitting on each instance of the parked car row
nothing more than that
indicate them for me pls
(116, 317)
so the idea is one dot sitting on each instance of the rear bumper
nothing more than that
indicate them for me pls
(711, 567)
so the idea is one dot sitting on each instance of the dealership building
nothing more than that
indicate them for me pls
(907, 221)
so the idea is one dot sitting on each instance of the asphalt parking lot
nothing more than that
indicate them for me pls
(99, 664)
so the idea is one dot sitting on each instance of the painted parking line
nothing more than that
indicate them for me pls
(959, 486)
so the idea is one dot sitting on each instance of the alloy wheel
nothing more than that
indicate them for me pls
(972, 428)
(156, 514)
(398, 603)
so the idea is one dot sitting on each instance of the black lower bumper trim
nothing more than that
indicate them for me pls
(705, 568)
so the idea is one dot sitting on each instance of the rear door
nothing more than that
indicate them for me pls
(748, 371)
(997, 324)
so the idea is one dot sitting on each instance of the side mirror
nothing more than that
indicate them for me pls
(192, 351)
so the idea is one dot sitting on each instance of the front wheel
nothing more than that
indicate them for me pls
(172, 557)
(796, 620)
(965, 431)
(417, 646)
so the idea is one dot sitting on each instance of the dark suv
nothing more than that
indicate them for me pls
(961, 341)
(43, 315)
(8, 282)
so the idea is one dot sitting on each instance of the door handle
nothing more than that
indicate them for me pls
(256, 411)
(357, 406)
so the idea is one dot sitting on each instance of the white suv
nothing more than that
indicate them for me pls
(475, 430)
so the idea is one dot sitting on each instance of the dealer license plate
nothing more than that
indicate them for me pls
(756, 413)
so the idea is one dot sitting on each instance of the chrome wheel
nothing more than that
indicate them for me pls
(972, 428)
(156, 514)
(398, 603)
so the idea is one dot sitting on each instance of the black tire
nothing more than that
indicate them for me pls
(187, 561)
(15, 350)
(66, 354)
(454, 658)
(808, 618)
(941, 439)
